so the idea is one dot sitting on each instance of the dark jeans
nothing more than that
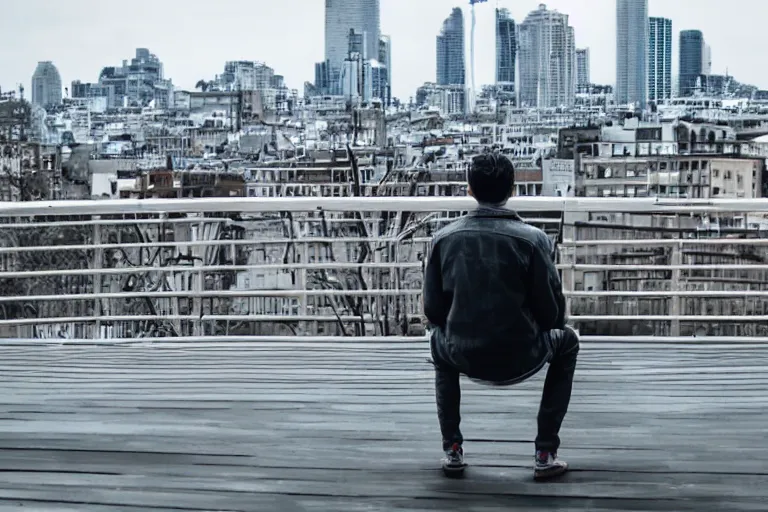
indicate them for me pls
(563, 350)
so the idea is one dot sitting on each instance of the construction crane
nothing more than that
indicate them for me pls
(472, 52)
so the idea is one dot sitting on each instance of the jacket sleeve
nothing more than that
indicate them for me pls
(546, 292)
(433, 296)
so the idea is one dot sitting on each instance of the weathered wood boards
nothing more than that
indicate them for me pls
(344, 427)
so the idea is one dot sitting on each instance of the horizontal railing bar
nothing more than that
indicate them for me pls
(344, 266)
(630, 268)
(115, 222)
(351, 240)
(219, 220)
(410, 204)
(382, 292)
(669, 340)
(668, 241)
(212, 243)
(214, 294)
(211, 268)
(666, 318)
(668, 293)
(222, 339)
(298, 341)
(204, 318)
(367, 318)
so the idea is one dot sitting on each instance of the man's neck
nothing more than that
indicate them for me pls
(502, 204)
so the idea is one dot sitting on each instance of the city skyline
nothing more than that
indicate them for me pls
(77, 41)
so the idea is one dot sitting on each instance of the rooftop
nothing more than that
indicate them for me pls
(339, 425)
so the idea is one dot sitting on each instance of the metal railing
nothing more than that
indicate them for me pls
(282, 268)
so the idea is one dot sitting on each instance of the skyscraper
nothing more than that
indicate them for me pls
(506, 50)
(341, 16)
(385, 54)
(582, 68)
(547, 56)
(631, 51)
(659, 59)
(385, 60)
(46, 85)
(451, 68)
(692, 52)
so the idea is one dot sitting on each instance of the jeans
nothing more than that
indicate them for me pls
(563, 349)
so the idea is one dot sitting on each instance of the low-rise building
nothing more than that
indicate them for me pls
(694, 176)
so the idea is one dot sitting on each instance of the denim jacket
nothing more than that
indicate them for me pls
(490, 290)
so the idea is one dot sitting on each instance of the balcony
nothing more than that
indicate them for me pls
(234, 268)
(268, 354)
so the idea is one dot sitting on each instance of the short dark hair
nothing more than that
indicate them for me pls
(491, 177)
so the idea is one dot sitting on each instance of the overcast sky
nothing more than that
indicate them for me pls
(194, 38)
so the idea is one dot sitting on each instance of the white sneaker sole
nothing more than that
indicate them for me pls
(550, 472)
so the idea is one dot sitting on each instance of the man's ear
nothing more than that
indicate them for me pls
(469, 191)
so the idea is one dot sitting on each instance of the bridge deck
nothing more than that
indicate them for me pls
(345, 427)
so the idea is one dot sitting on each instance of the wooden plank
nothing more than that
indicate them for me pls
(260, 426)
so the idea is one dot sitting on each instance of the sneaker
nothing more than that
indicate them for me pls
(547, 465)
(453, 462)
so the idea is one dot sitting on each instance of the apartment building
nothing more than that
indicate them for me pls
(697, 176)
(547, 57)
(660, 59)
(582, 69)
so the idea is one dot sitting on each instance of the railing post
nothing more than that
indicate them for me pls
(97, 283)
(567, 280)
(304, 252)
(198, 255)
(566, 256)
(675, 286)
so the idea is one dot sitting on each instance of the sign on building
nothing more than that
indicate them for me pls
(558, 178)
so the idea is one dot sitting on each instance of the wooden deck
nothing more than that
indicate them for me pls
(345, 427)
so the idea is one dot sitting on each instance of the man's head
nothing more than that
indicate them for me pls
(491, 178)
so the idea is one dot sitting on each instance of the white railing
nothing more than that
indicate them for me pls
(271, 268)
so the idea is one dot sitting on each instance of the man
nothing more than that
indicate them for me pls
(494, 302)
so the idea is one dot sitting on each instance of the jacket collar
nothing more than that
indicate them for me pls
(494, 211)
